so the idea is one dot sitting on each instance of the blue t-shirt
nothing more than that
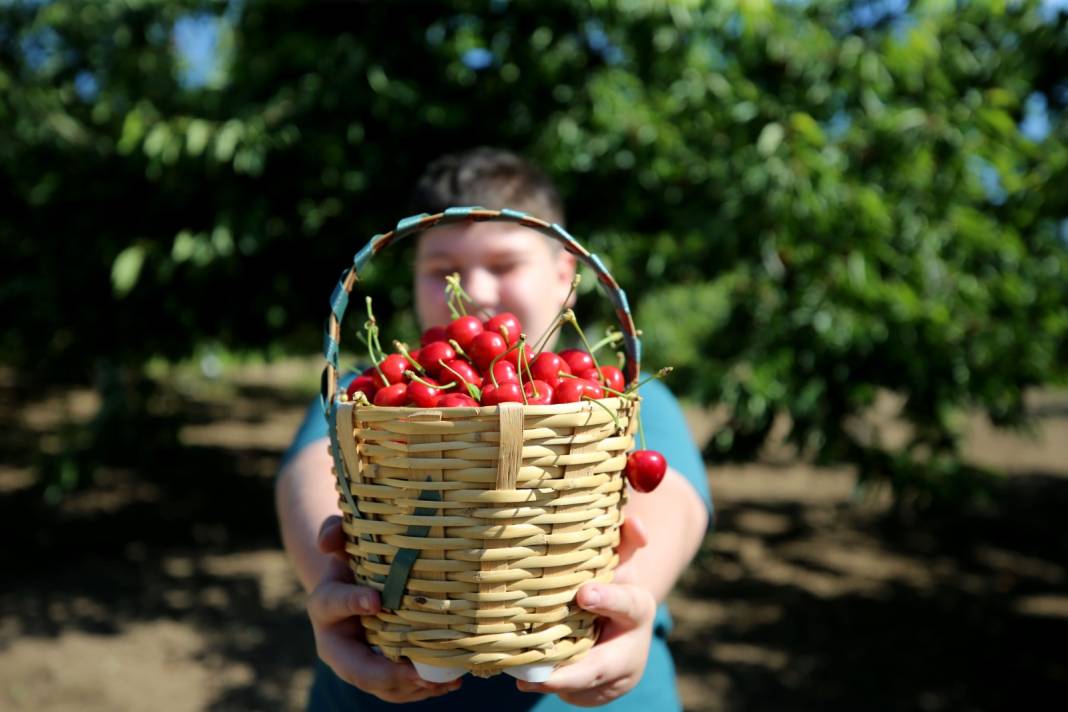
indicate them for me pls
(666, 431)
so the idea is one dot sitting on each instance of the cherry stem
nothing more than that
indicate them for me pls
(569, 316)
(659, 374)
(457, 295)
(526, 365)
(615, 417)
(520, 360)
(641, 433)
(403, 349)
(371, 326)
(543, 340)
(360, 398)
(611, 338)
(504, 353)
(415, 377)
(456, 347)
(472, 389)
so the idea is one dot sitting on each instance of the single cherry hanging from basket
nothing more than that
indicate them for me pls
(645, 469)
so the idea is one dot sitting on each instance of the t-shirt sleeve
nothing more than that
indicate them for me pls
(667, 432)
(313, 426)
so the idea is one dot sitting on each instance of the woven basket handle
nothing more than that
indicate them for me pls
(418, 223)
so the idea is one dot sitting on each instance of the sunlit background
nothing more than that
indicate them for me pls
(844, 223)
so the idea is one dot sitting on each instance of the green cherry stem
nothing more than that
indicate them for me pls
(544, 338)
(403, 349)
(456, 293)
(612, 337)
(659, 374)
(372, 340)
(615, 417)
(415, 377)
(456, 347)
(569, 316)
(520, 360)
(498, 357)
(472, 389)
(526, 365)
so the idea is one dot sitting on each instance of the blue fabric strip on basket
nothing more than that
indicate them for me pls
(339, 300)
(461, 212)
(401, 568)
(330, 349)
(410, 222)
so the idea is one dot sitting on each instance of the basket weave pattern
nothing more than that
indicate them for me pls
(529, 511)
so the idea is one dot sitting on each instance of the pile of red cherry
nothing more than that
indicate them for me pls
(471, 363)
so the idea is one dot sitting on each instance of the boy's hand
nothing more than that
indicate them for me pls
(334, 608)
(616, 663)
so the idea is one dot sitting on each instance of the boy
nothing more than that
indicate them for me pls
(503, 268)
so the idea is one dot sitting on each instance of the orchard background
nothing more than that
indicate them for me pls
(844, 223)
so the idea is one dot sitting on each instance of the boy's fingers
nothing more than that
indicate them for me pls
(629, 605)
(632, 536)
(358, 665)
(334, 601)
(331, 537)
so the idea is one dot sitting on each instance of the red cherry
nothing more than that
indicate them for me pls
(393, 368)
(504, 393)
(538, 392)
(485, 347)
(613, 378)
(572, 390)
(508, 321)
(415, 355)
(512, 357)
(504, 372)
(422, 395)
(645, 469)
(432, 353)
(392, 396)
(577, 359)
(466, 371)
(434, 333)
(463, 330)
(608, 375)
(366, 384)
(457, 400)
(547, 366)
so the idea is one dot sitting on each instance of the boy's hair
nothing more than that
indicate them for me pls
(490, 178)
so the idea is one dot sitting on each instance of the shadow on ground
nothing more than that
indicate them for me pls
(193, 541)
(824, 606)
(810, 603)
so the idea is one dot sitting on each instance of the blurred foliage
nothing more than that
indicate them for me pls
(808, 202)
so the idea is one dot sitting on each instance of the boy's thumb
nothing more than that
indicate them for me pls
(331, 538)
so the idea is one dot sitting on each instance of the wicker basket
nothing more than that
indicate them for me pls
(479, 525)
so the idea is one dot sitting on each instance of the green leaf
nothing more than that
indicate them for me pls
(770, 138)
(126, 269)
(807, 127)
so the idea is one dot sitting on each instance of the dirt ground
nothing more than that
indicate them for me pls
(169, 591)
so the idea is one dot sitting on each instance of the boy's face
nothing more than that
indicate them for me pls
(503, 267)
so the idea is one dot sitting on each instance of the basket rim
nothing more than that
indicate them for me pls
(488, 410)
